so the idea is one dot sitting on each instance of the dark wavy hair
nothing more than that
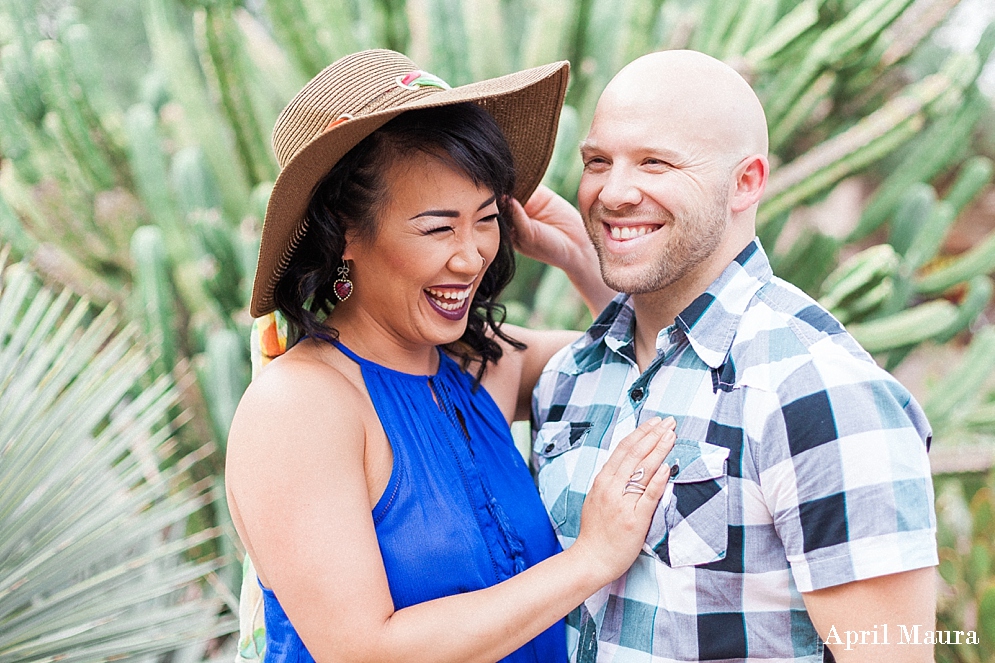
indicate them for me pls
(353, 195)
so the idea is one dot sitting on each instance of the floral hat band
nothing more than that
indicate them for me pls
(419, 79)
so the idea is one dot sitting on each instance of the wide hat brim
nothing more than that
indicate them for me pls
(525, 104)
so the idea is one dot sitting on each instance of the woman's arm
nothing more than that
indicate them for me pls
(550, 230)
(297, 482)
(511, 380)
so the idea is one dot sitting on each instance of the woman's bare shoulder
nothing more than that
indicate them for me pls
(296, 395)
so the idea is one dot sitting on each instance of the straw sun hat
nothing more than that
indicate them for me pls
(356, 95)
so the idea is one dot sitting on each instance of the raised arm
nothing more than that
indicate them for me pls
(299, 489)
(550, 230)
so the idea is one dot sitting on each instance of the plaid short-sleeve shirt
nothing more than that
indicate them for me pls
(801, 465)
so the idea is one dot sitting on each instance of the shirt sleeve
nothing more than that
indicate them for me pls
(840, 450)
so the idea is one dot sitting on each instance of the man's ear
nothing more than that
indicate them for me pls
(750, 179)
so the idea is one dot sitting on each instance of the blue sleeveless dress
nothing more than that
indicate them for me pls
(460, 511)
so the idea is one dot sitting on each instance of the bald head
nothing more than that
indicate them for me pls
(675, 165)
(692, 94)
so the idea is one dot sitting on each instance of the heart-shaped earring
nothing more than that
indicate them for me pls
(342, 285)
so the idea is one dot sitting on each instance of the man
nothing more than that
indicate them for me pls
(800, 510)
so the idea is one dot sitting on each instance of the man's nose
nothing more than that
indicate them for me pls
(619, 190)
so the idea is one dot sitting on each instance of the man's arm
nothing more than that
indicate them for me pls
(852, 618)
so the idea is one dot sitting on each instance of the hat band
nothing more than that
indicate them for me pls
(418, 79)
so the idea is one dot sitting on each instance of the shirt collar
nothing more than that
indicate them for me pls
(709, 322)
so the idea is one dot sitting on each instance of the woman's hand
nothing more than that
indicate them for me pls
(617, 511)
(550, 230)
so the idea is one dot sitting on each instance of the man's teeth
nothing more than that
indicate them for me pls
(455, 298)
(628, 232)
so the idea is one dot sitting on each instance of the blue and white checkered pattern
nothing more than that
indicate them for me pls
(802, 465)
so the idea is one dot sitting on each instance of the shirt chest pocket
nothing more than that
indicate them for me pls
(553, 440)
(692, 527)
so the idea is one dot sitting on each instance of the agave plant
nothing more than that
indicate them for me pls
(95, 560)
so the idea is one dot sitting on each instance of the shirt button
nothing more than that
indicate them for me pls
(548, 448)
(637, 394)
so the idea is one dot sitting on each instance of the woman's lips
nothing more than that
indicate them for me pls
(451, 303)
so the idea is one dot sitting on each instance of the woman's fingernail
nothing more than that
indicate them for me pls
(670, 421)
(653, 421)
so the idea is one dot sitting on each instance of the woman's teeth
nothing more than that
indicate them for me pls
(449, 300)
(629, 232)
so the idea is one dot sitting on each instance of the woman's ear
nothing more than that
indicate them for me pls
(750, 179)
(350, 242)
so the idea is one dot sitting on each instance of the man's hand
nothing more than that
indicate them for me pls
(550, 230)
(851, 618)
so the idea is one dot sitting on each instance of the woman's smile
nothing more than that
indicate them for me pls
(451, 301)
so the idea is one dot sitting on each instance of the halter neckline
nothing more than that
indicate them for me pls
(362, 361)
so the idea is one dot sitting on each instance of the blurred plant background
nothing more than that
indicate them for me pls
(136, 168)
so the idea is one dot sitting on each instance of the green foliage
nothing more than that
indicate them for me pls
(142, 181)
(966, 537)
(95, 561)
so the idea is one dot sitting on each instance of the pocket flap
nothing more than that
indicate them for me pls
(555, 437)
(697, 461)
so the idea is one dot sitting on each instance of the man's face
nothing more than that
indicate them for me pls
(655, 199)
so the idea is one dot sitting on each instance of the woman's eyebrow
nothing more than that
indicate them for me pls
(451, 213)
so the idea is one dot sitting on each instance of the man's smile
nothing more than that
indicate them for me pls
(623, 233)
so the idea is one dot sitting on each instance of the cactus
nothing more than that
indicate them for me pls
(557, 305)
(756, 20)
(172, 56)
(16, 139)
(966, 530)
(22, 82)
(154, 300)
(149, 170)
(861, 283)
(801, 18)
(932, 152)
(979, 259)
(809, 261)
(58, 91)
(858, 27)
(291, 28)
(232, 72)
(563, 174)
(909, 327)
(974, 176)
(194, 163)
(224, 378)
(486, 31)
(976, 296)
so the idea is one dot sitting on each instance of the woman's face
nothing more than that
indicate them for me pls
(436, 236)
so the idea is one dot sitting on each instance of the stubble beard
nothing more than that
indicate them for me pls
(694, 236)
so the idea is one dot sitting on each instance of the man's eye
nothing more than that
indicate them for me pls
(595, 162)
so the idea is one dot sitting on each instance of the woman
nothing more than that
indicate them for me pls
(371, 473)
